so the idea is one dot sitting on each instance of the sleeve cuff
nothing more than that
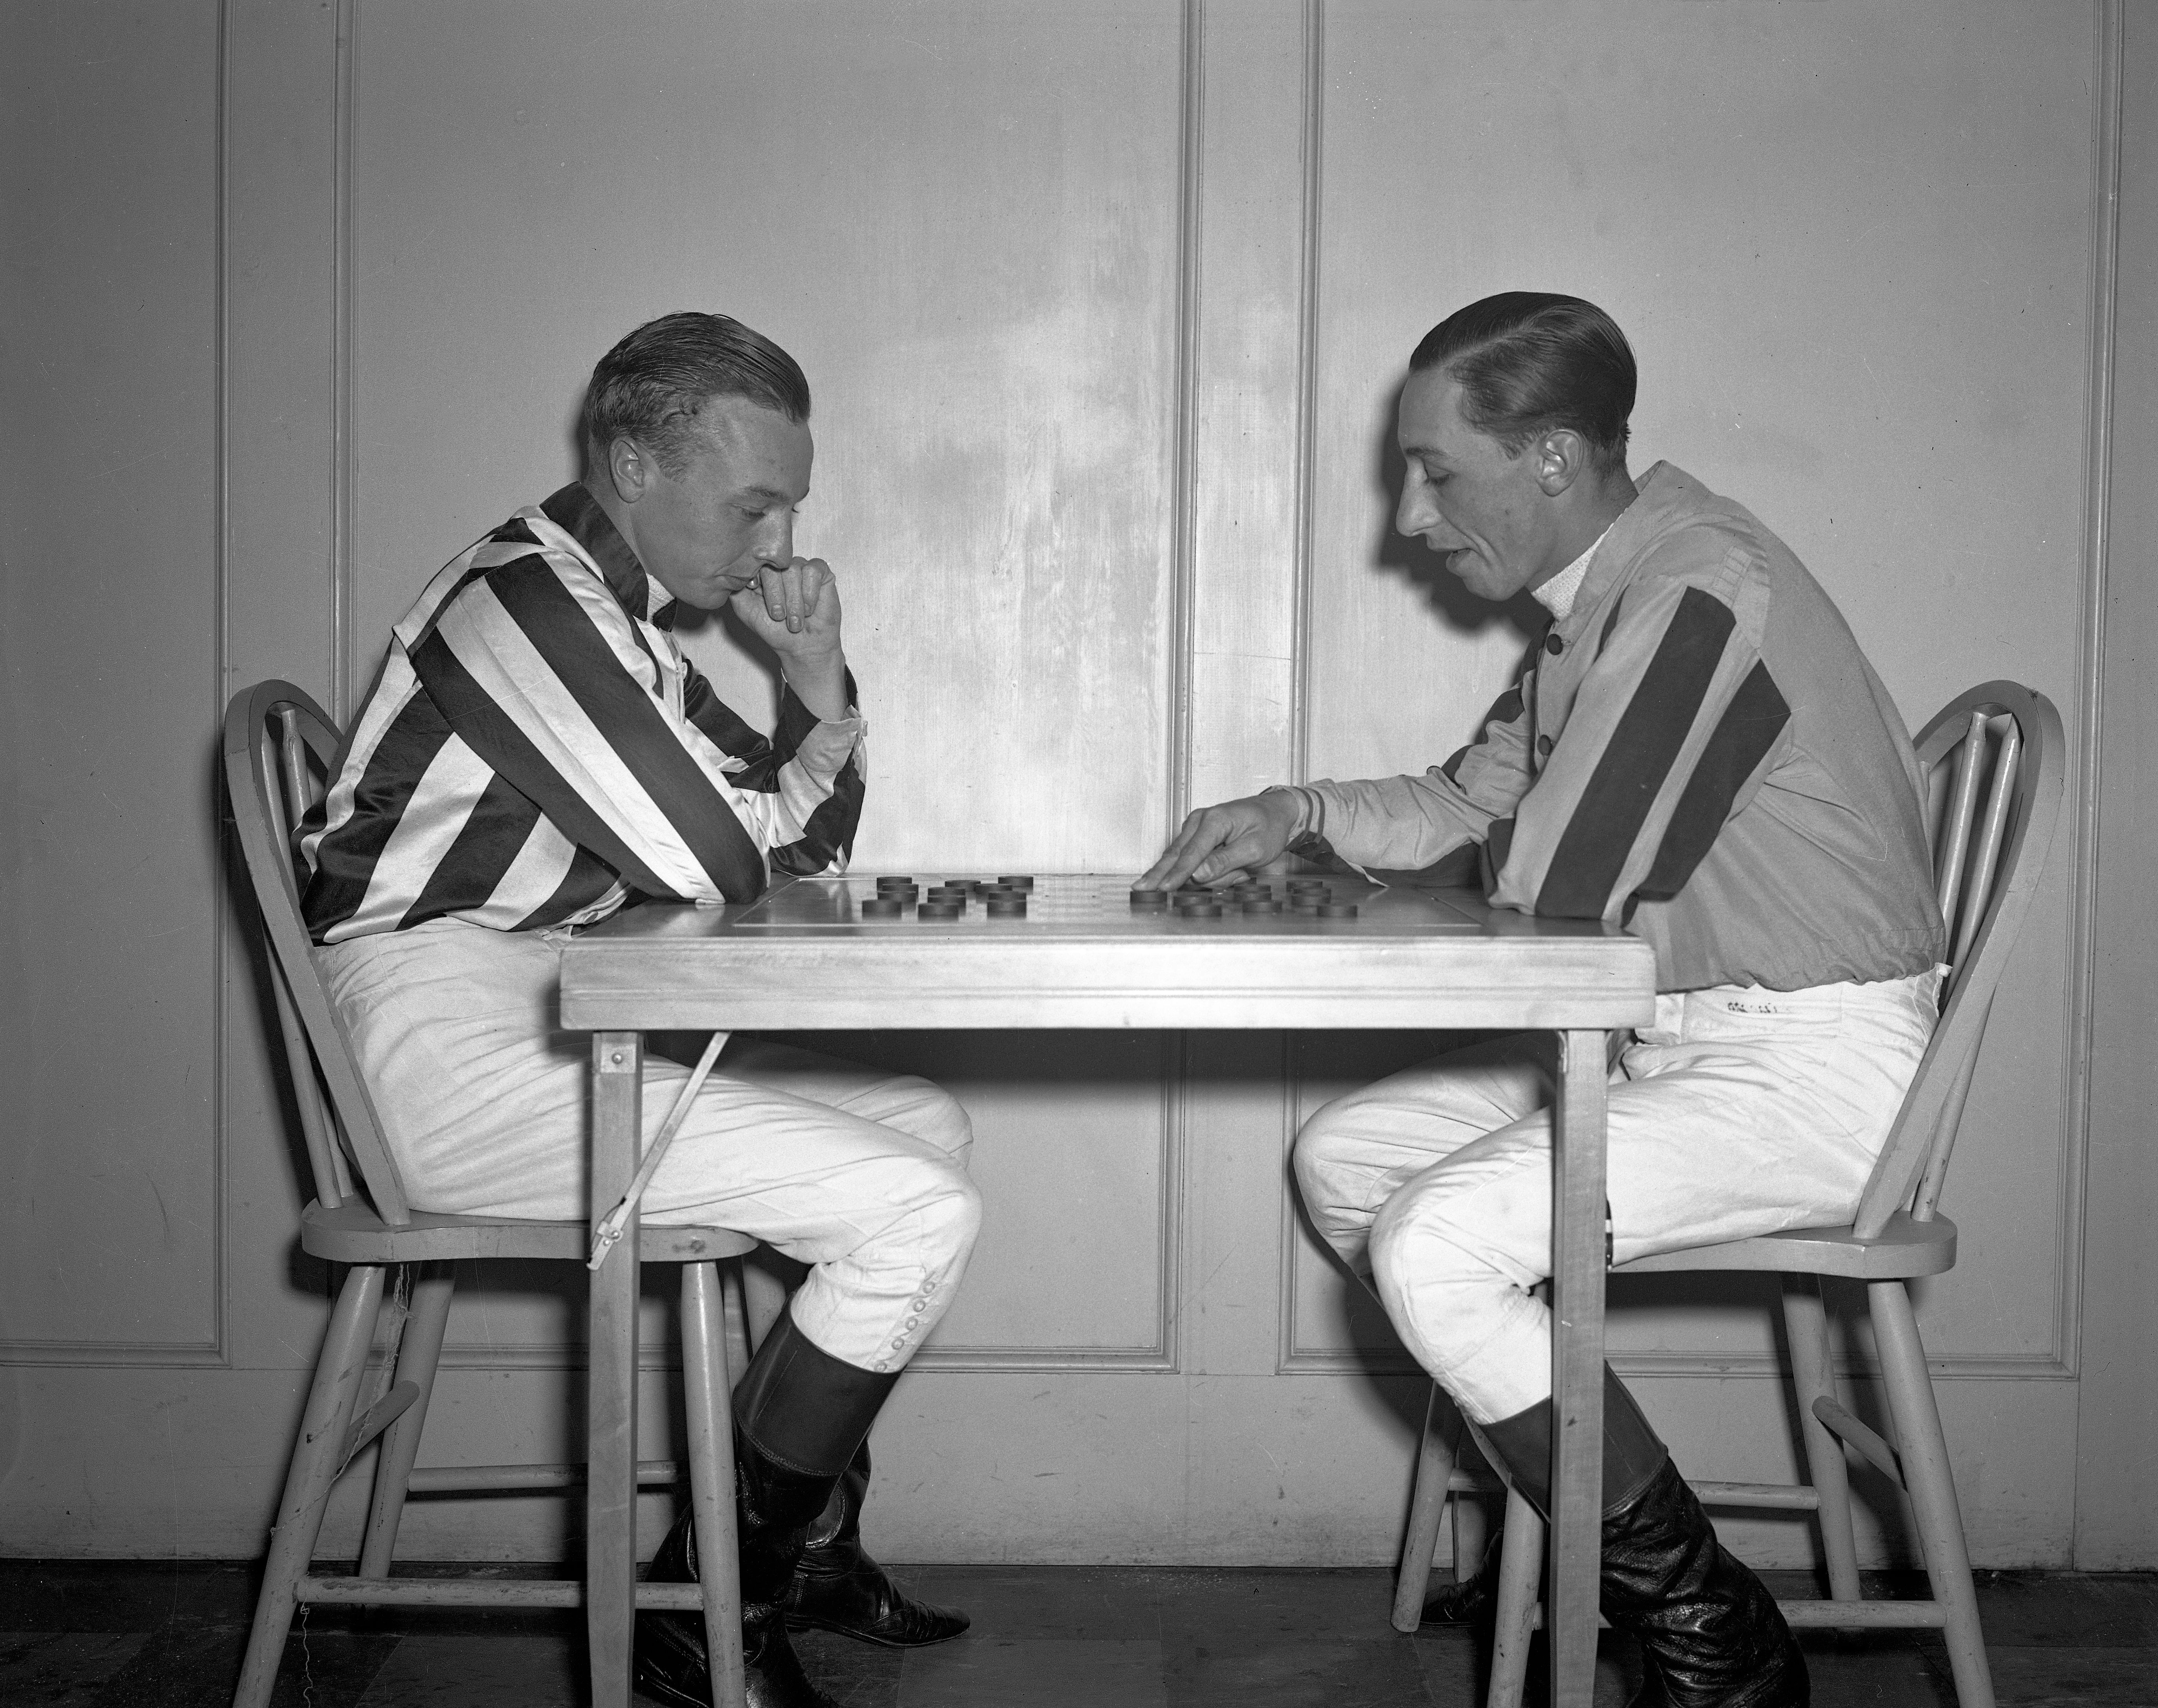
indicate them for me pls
(826, 744)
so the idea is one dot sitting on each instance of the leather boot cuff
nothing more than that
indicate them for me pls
(1632, 1454)
(802, 1408)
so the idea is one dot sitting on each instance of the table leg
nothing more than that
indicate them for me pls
(1577, 1268)
(611, 1399)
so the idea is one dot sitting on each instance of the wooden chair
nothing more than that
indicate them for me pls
(1993, 761)
(278, 744)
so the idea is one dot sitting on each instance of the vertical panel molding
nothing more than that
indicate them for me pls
(2090, 720)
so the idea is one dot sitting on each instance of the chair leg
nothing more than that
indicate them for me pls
(1434, 1468)
(708, 1412)
(1932, 1487)
(1813, 1376)
(416, 1362)
(1520, 1571)
(1470, 1537)
(316, 1457)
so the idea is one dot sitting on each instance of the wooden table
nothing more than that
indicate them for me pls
(802, 958)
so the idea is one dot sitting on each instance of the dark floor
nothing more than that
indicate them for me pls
(157, 1636)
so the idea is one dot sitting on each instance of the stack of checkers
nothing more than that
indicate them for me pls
(1005, 899)
(1312, 898)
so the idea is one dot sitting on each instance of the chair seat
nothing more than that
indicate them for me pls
(1903, 1250)
(353, 1233)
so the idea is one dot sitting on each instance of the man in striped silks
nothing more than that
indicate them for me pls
(536, 753)
(1697, 750)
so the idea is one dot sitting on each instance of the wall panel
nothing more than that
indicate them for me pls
(993, 364)
(110, 1207)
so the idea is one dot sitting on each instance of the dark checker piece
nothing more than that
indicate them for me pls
(1021, 881)
(895, 882)
(1149, 898)
(939, 909)
(999, 909)
(1261, 904)
(1306, 906)
(1337, 909)
(883, 907)
(1200, 910)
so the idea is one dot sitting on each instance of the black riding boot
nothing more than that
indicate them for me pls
(1710, 1632)
(799, 1415)
(1474, 1601)
(838, 1587)
(1631, 1453)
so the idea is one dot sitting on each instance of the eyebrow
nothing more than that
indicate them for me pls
(770, 493)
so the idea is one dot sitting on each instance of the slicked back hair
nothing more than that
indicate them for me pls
(655, 384)
(1528, 362)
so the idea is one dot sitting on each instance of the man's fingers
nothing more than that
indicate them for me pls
(1201, 834)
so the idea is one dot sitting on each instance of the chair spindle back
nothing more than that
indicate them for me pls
(277, 741)
(1992, 811)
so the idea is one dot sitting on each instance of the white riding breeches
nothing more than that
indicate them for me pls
(486, 1103)
(1741, 1112)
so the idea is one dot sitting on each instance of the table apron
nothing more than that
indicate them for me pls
(1591, 983)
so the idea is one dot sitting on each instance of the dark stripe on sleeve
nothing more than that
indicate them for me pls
(588, 879)
(830, 831)
(1644, 745)
(631, 722)
(493, 733)
(514, 532)
(498, 826)
(345, 860)
(1504, 709)
(1610, 623)
(1751, 725)
(717, 720)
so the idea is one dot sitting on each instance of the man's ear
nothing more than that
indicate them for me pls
(629, 468)
(1561, 456)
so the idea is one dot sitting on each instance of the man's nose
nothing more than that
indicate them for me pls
(777, 545)
(1416, 513)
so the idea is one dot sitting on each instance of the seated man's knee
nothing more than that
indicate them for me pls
(925, 1110)
(951, 1213)
(1426, 1276)
(1332, 1175)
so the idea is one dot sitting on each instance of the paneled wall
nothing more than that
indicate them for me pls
(1104, 305)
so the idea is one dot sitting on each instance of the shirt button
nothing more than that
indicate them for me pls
(1553, 643)
(1543, 744)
